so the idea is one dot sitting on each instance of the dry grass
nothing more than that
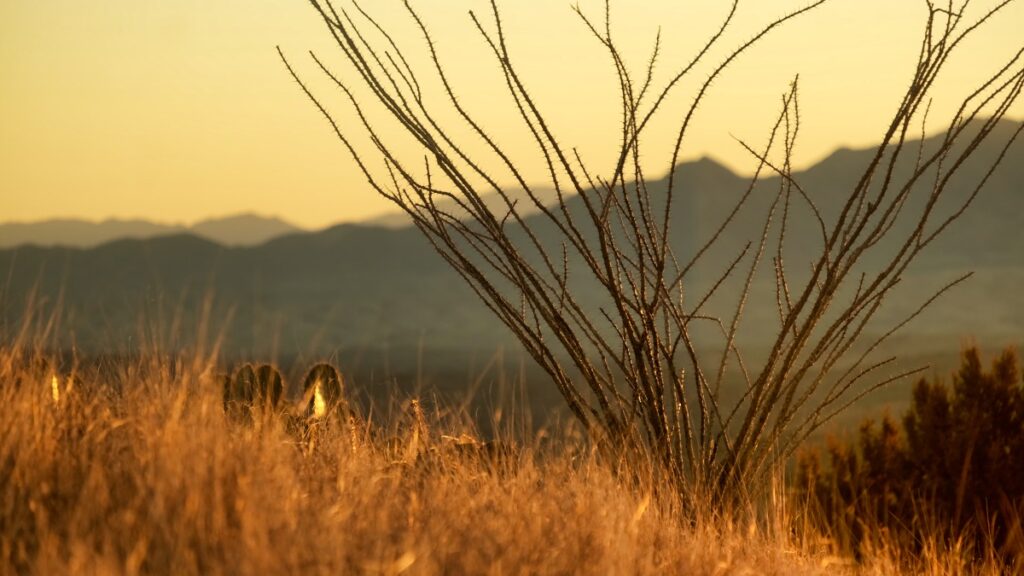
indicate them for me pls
(138, 471)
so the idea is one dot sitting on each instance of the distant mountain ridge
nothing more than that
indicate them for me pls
(238, 230)
(355, 286)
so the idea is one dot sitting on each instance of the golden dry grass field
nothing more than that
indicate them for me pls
(135, 469)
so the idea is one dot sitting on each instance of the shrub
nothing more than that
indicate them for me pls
(954, 472)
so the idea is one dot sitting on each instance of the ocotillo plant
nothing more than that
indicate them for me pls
(635, 368)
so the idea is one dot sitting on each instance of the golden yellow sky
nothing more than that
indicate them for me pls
(178, 110)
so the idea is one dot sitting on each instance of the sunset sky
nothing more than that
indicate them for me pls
(181, 110)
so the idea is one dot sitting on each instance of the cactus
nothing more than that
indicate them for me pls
(322, 390)
(229, 393)
(245, 384)
(252, 388)
(239, 391)
(269, 388)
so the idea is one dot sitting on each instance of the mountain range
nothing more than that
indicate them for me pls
(238, 230)
(379, 297)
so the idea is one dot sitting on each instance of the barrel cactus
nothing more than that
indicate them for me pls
(269, 388)
(323, 391)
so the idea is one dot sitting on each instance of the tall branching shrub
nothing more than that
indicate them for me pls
(634, 368)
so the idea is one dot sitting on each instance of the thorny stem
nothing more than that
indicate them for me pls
(629, 365)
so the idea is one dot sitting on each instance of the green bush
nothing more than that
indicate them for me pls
(954, 471)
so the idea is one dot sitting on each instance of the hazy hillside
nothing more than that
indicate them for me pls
(359, 290)
(243, 229)
(547, 196)
(987, 234)
(239, 230)
(82, 233)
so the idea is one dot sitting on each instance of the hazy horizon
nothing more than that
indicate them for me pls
(153, 220)
(387, 210)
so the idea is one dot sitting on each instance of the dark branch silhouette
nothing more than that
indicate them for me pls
(635, 368)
